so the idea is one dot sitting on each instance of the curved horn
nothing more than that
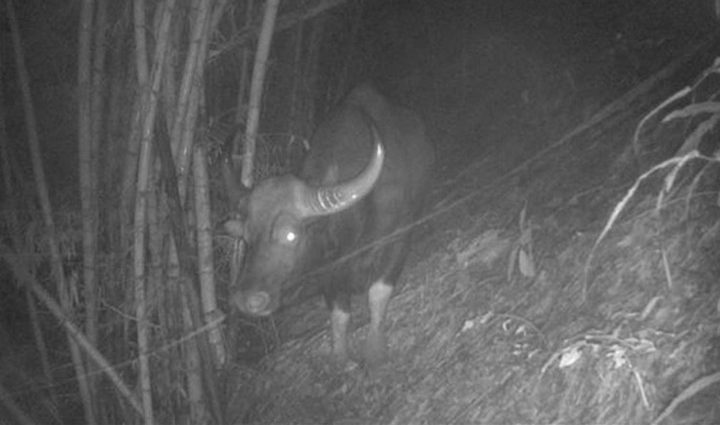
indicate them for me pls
(331, 199)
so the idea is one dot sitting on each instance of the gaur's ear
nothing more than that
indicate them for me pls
(235, 228)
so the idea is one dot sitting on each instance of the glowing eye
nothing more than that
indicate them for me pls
(290, 236)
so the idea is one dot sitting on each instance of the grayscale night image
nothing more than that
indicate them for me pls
(359, 212)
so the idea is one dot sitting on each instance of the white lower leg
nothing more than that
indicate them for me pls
(339, 322)
(378, 297)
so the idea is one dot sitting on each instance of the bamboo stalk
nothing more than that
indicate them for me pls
(87, 185)
(182, 273)
(256, 89)
(236, 160)
(96, 123)
(193, 365)
(169, 85)
(44, 198)
(206, 266)
(237, 142)
(202, 344)
(118, 80)
(145, 107)
(141, 49)
(187, 105)
(132, 153)
(133, 147)
(241, 111)
(177, 279)
(182, 137)
(149, 107)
